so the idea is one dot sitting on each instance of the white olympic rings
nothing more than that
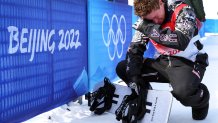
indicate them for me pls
(114, 35)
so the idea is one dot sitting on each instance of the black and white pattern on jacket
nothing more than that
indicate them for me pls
(186, 22)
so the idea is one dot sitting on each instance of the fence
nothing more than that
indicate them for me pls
(44, 48)
(53, 51)
(43, 55)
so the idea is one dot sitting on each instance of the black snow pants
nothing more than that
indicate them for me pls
(184, 76)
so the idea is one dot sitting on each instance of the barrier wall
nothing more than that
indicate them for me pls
(109, 37)
(122, 1)
(70, 61)
(211, 26)
(43, 56)
(53, 51)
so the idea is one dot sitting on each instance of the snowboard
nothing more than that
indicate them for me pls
(158, 103)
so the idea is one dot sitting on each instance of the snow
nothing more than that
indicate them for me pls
(73, 112)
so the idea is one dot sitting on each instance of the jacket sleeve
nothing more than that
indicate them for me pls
(135, 54)
(185, 29)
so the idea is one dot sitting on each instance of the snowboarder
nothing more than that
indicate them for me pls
(179, 59)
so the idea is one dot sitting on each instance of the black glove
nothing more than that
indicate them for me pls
(137, 84)
(132, 108)
(137, 108)
(135, 87)
(142, 25)
(140, 37)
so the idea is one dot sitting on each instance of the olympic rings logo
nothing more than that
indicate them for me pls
(113, 37)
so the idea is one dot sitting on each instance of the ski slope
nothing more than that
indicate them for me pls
(76, 113)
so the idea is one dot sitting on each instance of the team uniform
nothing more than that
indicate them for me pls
(179, 59)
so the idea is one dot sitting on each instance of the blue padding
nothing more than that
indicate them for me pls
(149, 53)
(109, 36)
(36, 72)
(211, 26)
(69, 17)
(134, 19)
(26, 86)
(122, 1)
(201, 31)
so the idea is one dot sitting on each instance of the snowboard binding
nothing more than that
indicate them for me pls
(101, 99)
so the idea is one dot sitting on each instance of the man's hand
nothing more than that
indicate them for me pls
(134, 84)
(138, 24)
(140, 37)
(138, 84)
(137, 106)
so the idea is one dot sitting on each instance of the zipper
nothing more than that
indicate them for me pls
(169, 65)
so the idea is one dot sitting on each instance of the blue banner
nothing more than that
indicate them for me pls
(109, 30)
(122, 1)
(70, 61)
(211, 26)
(43, 56)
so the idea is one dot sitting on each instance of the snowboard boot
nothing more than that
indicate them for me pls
(200, 113)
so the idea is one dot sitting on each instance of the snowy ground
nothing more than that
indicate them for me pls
(76, 113)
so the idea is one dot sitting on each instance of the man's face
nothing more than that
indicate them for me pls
(156, 16)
